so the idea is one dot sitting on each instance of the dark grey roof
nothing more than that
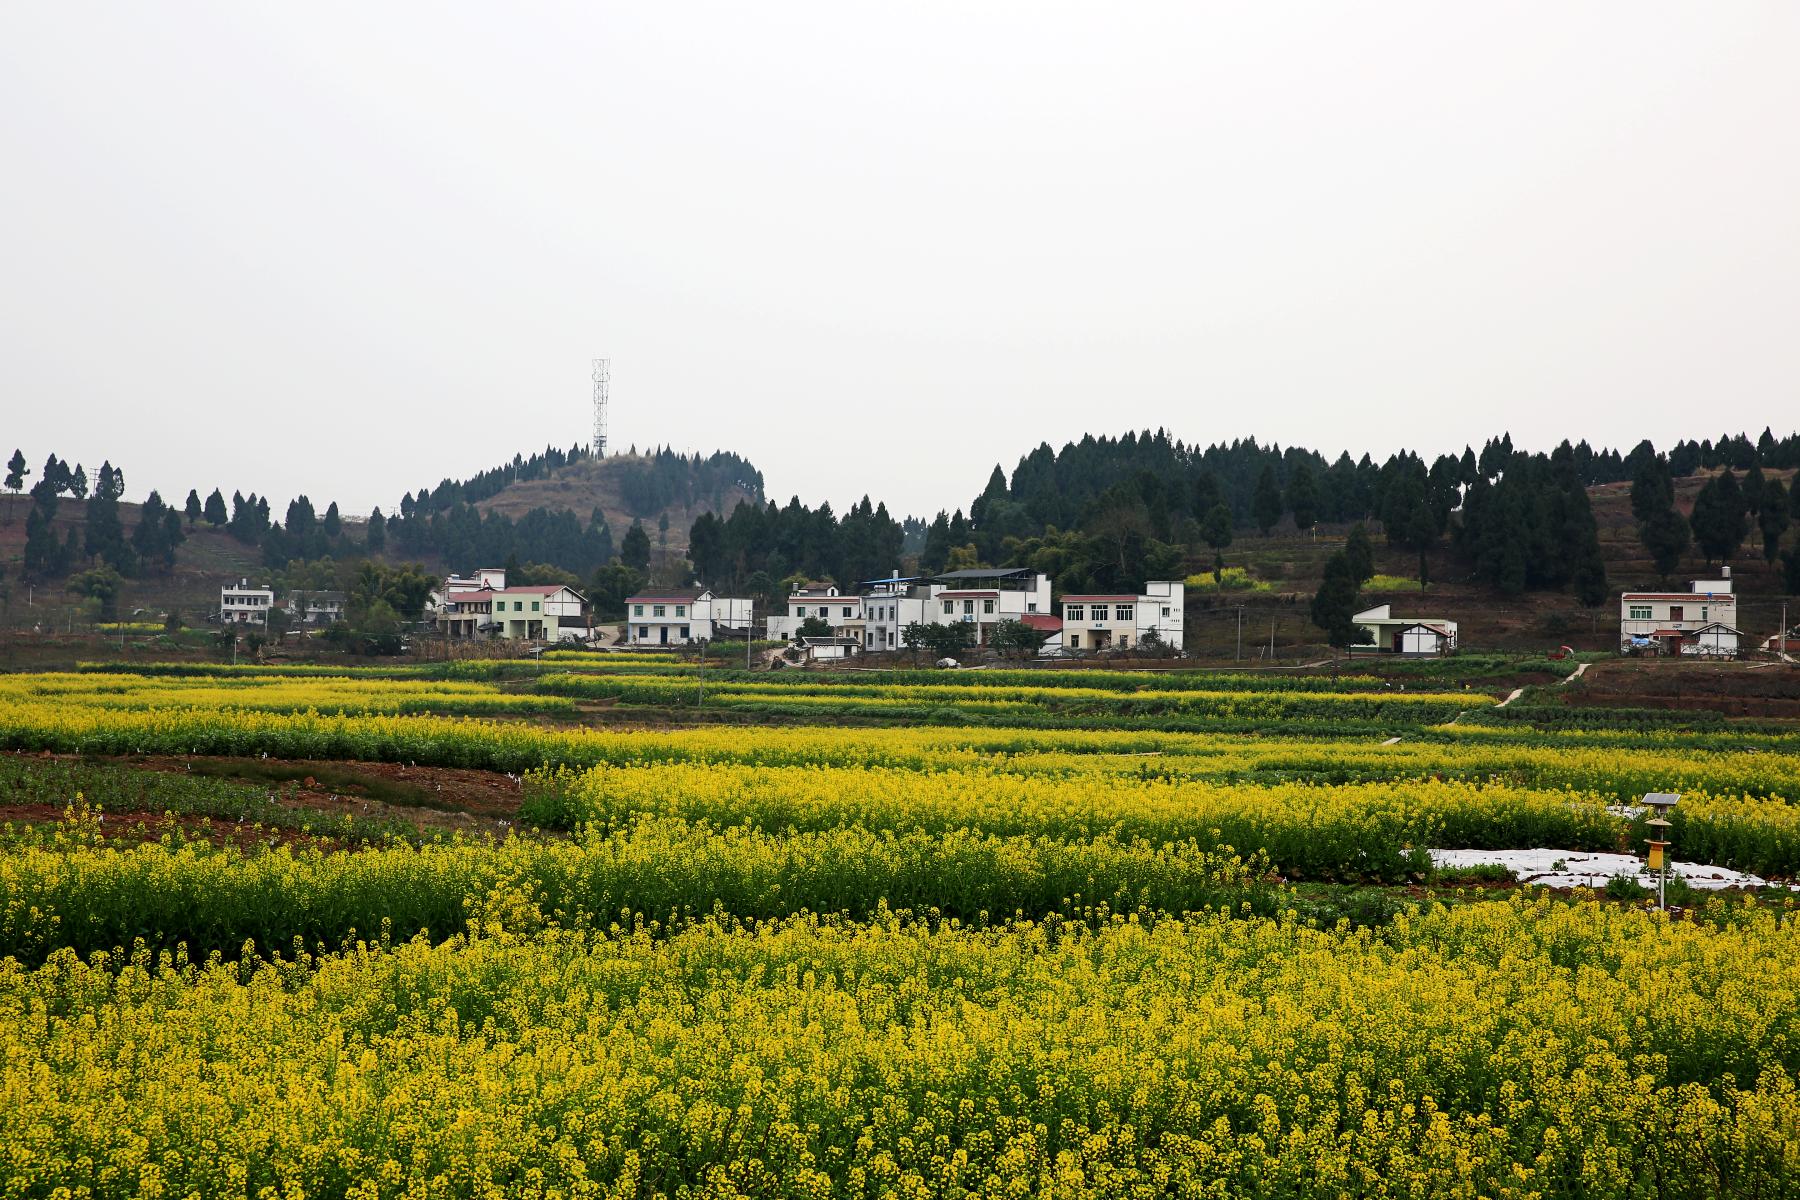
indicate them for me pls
(985, 573)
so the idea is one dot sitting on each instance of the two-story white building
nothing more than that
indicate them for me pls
(889, 606)
(316, 608)
(461, 612)
(824, 602)
(539, 613)
(1700, 621)
(241, 603)
(1120, 621)
(986, 596)
(680, 618)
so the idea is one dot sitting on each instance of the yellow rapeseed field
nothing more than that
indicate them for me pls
(886, 961)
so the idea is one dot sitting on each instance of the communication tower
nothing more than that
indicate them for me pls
(602, 377)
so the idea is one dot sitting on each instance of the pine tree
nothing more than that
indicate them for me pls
(192, 508)
(215, 509)
(1216, 529)
(1591, 586)
(634, 551)
(375, 534)
(1265, 505)
(1651, 489)
(1774, 518)
(1720, 521)
(1666, 536)
(1335, 602)
(104, 532)
(1753, 487)
(16, 471)
(1303, 496)
(1359, 550)
(41, 547)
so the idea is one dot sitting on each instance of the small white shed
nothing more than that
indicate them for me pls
(1717, 640)
(1422, 637)
(819, 649)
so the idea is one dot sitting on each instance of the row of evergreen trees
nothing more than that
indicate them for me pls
(1727, 513)
(777, 542)
(102, 540)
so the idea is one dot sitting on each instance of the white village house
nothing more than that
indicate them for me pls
(483, 606)
(680, 618)
(242, 603)
(1700, 621)
(986, 596)
(1121, 621)
(889, 606)
(877, 617)
(461, 605)
(821, 602)
(1406, 635)
(316, 607)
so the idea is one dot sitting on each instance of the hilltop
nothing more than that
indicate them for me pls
(634, 487)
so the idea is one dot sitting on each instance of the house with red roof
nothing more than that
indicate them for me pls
(1122, 620)
(1701, 620)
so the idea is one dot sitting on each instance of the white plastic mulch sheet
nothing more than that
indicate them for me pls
(1579, 868)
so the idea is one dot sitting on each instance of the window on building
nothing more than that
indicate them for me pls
(987, 606)
(968, 608)
(637, 610)
(684, 633)
(643, 630)
(1165, 610)
(681, 610)
(846, 612)
(1074, 641)
(1122, 612)
(1640, 612)
(1703, 612)
(949, 607)
(658, 610)
(1076, 612)
(1031, 606)
(534, 606)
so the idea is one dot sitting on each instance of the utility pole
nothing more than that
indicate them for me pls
(701, 701)
(1240, 634)
(1271, 637)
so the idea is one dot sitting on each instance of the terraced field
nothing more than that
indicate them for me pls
(908, 934)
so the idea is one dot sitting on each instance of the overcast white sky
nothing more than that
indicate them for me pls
(349, 249)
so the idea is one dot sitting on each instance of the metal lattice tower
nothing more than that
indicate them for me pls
(602, 377)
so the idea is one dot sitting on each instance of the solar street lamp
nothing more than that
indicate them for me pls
(1656, 857)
